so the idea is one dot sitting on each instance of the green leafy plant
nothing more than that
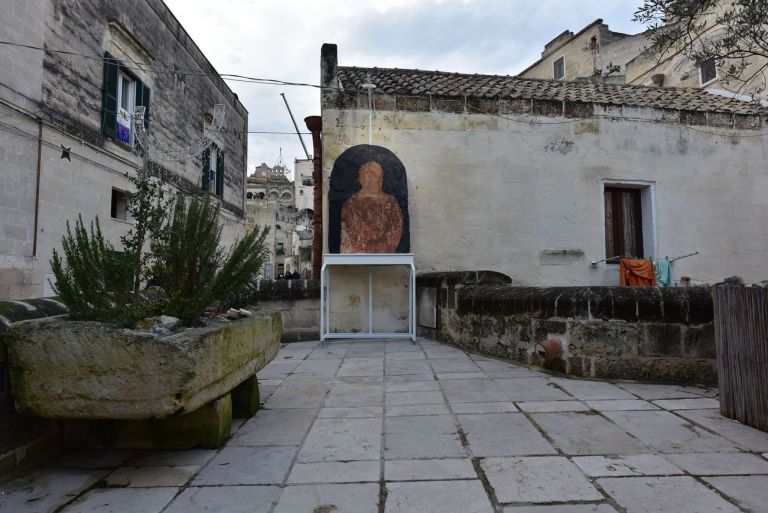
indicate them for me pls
(93, 279)
(181, 253)
(193, 269)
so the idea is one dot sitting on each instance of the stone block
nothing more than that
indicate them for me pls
(660, 339)
(477, 105)
(547, 108)
(90, 370)
(208, 427)
(700, 306)
(579, 109)
(649, 303)
(601, 302)
(246, 399)
(413, 103)
(657, 369)
(448, 105)
(611, 338)
(699, 341)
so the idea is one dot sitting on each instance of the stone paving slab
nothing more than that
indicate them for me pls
(591, 390)
(621, 405)
(626, 465)
(552, 406)
(687, 404)
(232, 499)
(587, 433)
(420, 427)
(678, 494)
(351, 412)
(275, 427)
(417, 409)
(538, 480)
(329, 498)
(150, 477)
(342, 440)
(744, 436)
(437, 497)
(123, 500)
(570, 508)
(503, 434)
(668, 433)
(497, 407)
(335, 472)
(718, 464)
(749, 492)
(531, 389)
(247, 466)
(171, 458)
(45, 490)
(427, 470)
(418, 437)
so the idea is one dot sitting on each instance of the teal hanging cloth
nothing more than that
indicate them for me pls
(663, 269)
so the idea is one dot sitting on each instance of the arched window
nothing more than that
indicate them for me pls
(260, 195)
(249, 195)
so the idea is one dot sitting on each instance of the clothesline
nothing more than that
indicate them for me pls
(624, 256)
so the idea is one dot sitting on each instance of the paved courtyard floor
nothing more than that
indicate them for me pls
(396, 427)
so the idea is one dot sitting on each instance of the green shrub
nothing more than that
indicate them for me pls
(94, 280)
(191, 266)
(184, 257)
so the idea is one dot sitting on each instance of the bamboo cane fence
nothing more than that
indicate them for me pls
(741, 334)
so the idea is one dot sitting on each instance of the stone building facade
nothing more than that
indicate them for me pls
(589, 53)
(103, 60)
(519, 175)
(276, 201)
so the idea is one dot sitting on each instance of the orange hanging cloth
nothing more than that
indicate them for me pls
(636, 273)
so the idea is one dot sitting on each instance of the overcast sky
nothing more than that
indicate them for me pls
(281, 39)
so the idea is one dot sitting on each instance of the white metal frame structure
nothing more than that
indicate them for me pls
(369, 260)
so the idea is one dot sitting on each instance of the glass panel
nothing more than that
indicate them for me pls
(629, 208)
(610, 248)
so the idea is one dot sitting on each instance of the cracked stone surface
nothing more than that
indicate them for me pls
(398, 427)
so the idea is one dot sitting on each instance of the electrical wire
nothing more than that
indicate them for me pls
(158, 68)
(267, 81)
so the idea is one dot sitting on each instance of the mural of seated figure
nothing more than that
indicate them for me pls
(371, 221)
(368, 202)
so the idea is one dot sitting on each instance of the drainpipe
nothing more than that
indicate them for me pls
(37, 184)
(315, 125)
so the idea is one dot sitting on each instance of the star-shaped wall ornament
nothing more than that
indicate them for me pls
(65, 153)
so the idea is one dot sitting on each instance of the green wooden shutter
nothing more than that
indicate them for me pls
(142, 100)
(109, 96)
(220, 173)
(206, 167)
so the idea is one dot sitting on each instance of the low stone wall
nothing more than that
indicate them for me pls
(299, 303)
(24, 441)
(648, 334)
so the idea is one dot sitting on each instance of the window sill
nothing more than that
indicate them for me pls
(125, 221)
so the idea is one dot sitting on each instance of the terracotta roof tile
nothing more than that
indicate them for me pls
(421, 83)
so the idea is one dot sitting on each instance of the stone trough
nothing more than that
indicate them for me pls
(126, 388)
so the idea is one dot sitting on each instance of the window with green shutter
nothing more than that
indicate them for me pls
(213, 170)
(122, 91)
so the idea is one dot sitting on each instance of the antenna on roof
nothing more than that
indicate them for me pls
(295, 125)
(370, 86)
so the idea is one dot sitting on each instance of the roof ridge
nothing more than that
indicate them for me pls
(412, 81)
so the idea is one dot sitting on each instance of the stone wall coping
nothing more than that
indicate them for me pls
(436, 279)
(686, 305)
